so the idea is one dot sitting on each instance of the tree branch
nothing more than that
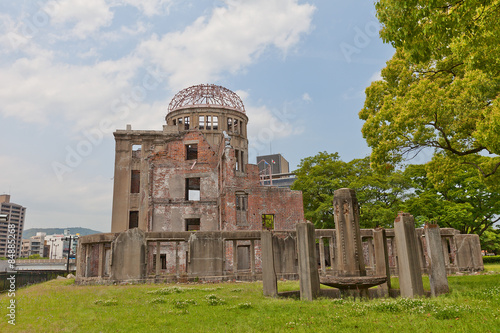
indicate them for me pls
(485, 175)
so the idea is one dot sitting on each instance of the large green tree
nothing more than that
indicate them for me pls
(464, 203)
(440, 91)
(379, 194)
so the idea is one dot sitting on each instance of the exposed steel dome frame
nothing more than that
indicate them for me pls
(206, 95)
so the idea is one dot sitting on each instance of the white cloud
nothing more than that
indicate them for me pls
(230, 39)
(306, 97)
(377, 76)
(56, 201)
(149, 7)
(88, 16)
(35, 88)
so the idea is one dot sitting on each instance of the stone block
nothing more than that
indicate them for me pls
(437, 267)
(129, 255)
(410, 274)
(269, 280)
(308, 263)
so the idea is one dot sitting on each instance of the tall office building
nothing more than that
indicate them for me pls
(16, 217)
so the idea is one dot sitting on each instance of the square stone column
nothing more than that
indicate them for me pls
(349, 255)
(308, 263)
(382, 260)
(269, 280)
(410, 275)
(437, 266)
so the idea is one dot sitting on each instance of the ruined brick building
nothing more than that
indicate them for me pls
(194, 174)
(187, 205)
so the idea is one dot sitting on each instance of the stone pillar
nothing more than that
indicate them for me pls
(331, 241)
(410, 275)
(269, 280)
(349, 255)
(158, 259)
(382, 260)
(371, 255)
(177, 263)
(252, 258)
(322, 255)
(437, 267)
(308, 263)
(446, 253)
(235, 257)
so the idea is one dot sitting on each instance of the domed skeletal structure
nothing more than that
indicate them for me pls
(205, 95)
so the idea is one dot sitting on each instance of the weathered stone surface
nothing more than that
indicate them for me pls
(129, 255)
(410, 275)
(308, 267)
(206, 254)
(469, 253)
(437, 269)
(269, 280)
(350, 261)
(382, 260)
(352, 282)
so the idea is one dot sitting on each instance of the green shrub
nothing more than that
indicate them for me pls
(491, 259)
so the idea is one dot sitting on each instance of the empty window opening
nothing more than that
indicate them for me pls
(186, 123)
(136, 147)
(229, 124)
(193, 192)
(135, 181)
(192, 152)
(236, 127)
(201, 122)
(175, 122)
(192, 224)
(237, 155)
(215, 123)
(163, 260)
(267, 221)
(179, 121)
(133, 221)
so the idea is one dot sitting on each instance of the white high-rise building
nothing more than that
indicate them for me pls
(16, 217)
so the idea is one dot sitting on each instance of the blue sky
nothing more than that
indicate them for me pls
(73, 71)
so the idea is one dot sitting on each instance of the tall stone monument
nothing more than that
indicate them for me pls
(349, 248)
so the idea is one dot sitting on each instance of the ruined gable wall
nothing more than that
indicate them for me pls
(169, 171)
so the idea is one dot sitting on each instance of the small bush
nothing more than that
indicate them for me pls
(167, 291)
(183, 304)
(157, 301)
(491, 259)
(107, 302)
(214, 300)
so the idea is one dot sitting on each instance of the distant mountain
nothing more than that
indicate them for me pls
(51, 231)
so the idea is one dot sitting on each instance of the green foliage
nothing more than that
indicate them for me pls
(440, 90)
(131, 308)
(268, 221)
(491, 259)
(379, 194)
(463, 202)
(36, 256)
(490, 240)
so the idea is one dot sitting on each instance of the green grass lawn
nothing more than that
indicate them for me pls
(60, 306)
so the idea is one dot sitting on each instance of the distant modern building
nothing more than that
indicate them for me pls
(274, 170)
(276, 162)
(35, 245)
(59, 245)
(16, 217)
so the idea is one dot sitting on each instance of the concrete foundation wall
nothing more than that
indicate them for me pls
(216, 252)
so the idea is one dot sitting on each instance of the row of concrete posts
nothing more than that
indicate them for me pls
(351, 276)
